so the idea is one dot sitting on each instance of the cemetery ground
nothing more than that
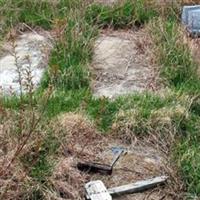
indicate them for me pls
(119, 74)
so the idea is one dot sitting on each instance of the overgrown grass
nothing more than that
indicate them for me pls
(34, 13)
(178, 66)
(187, 154)
(176, 112)
(128, 14)
(180, 73)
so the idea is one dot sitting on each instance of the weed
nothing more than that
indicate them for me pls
(72, 53)
(37, 158)
(149, 114)
(180, 71)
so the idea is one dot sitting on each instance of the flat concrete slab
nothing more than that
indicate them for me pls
(32, 50)
(122, 64)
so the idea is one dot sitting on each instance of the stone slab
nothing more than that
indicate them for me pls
(121, 64)
(32, 50)
(191, 19)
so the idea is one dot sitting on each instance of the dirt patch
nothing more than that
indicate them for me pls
(24, 55)
(142, 161)
(122, 64)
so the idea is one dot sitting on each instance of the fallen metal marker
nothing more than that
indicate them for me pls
(191, 19)
(92, 167)
(96, 190)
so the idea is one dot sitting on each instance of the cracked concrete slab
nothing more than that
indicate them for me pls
(26, 56)
(122, 64)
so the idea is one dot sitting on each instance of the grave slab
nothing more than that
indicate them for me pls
(32, 50)
(122, 64)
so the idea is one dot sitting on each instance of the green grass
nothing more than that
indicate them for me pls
(35, 13)
(176, 111)
(187, 154)
(44, 166)
(70, 57)
(129, 14)
(178, 66)
(65, 101)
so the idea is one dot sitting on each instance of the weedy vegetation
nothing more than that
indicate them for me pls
(28, 144)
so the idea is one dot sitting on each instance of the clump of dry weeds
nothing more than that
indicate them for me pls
(161, 123)
(16, 141)
(66, 181)
(22, 133)
(76, 133)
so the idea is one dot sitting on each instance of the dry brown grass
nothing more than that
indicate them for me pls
(21, 134)
(13, 173)
(67, 182)
(79, 141)
(76, 133)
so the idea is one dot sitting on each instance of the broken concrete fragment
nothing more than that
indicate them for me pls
(96, 190)
(26, 56)
(191, 19)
